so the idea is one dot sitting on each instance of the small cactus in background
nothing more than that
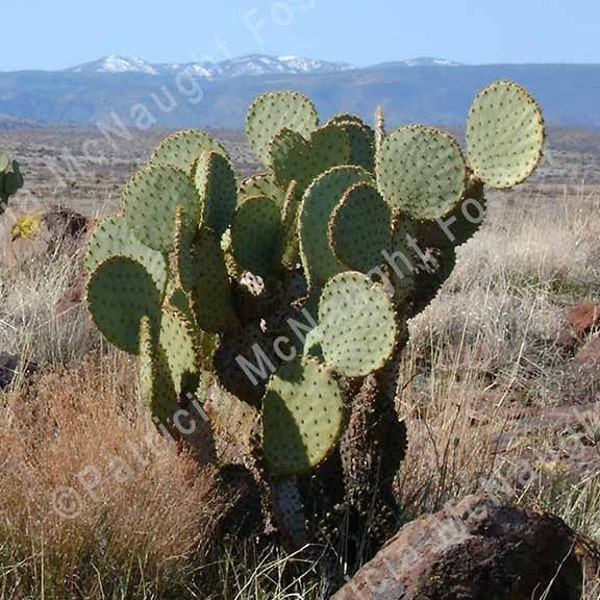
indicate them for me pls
(11, 179)
(282, 301)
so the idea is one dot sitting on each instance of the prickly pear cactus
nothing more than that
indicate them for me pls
(11, 179)
(285, 297)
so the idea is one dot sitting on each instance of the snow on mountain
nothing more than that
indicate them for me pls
(253, 64)
(113, 63)
(429, 61)
(244, 66)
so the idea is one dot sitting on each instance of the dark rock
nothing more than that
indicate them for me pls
(11, 368)
(476, 549)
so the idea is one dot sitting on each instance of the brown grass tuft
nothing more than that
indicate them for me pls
(142, 509)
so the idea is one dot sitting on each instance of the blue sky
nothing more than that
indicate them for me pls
(52, 35)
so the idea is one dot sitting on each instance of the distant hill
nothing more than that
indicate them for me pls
(118, 92)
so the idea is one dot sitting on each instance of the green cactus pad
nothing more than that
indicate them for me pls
(263, 184)
(289, 510)
(402, 261)
(212, 297)
(360, 228)
(256, 235)
(119, 293)
(302, 417)
(274, 111)
(357, 323)
(182, 149)
(215, 183)
(421, 170)
(149, 202)
(362, 143)
(112, 237)
(457, 227)
(312, 344)
(319, 201)
(12, 183)
(16, 169)
(177, 342)
(156, 384)
(380, 132)
(343, 118)
(295, 159)
(179, 299)
(290, 244)
(505, 135)
(4, 162)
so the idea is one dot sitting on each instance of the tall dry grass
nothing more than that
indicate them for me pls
(138, 514)
(29, 326)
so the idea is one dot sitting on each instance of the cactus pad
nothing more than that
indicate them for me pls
(255, 235)
(505, 135)
(421, 170)
(182, 149)
(212, 298)
(156, 384)
(216, 185)
(362, 142)
(343, 118)
(403, 257)
(295, 159)
(12, 183)
(323, 195)
(4, 161)
(274, 111)
(357, 323)
(149, 202)
(302, 417)
(290, 245)
(261, 185)
(177, 343)
(120, 292)
(112, 237)
(360, 228)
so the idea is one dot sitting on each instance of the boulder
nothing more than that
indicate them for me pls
(72, 300)
(589, 354)
(476, 549)
(583, 317)
(56, 228)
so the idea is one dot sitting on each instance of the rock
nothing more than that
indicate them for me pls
(583, 317)
(589, 354)
(58, 229)
(10, 369)
(566, 340)
(476, 549)
(72, 299)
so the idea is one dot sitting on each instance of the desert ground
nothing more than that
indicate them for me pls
(499, 387)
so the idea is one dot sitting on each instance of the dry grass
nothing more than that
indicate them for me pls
(28, 324)
(484, 347)
(140, 511)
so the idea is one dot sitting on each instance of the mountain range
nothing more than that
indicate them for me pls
(116, 92)
(253, 64)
